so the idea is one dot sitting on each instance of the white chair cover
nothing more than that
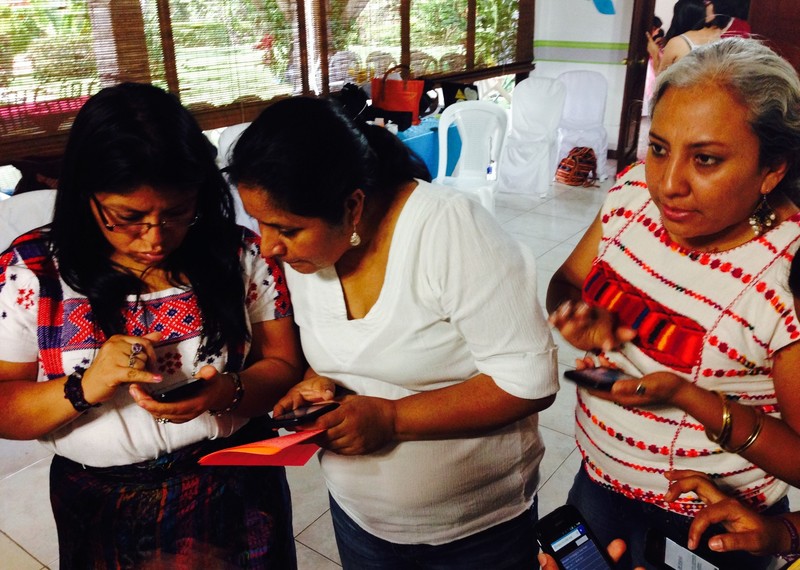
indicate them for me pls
(482, 127)
(530, 155)
(584, 111)
(227, 139)
(23, 212)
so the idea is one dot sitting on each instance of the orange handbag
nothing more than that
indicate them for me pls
(402, 95)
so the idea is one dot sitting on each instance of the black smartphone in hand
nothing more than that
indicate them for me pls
(566, 536)
(600, 378)
(189, 388)
(302, 415)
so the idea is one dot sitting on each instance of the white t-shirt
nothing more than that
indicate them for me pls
(119, 432)
(459, 298)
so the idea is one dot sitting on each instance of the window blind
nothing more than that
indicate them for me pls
(227, 59)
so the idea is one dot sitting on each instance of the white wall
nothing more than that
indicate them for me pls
(664, 10)
(572, 34)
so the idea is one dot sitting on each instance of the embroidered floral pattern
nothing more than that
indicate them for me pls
(742, 312)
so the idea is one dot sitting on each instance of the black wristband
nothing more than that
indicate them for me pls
(73, 391)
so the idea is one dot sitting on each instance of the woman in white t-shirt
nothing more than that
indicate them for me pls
(418, 313)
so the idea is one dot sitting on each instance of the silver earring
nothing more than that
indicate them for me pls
(762, 217)
(355, 239)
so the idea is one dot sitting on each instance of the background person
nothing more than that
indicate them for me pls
(144, 279)
(694, 23)
(681, 280)
(419, 313)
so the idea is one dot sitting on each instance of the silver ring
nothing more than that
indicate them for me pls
(640, 389)
(162, 420)
(136, 348)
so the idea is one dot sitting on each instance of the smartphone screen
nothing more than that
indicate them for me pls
(566, 537)
(596, 378)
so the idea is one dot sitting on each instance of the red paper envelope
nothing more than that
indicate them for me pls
(284, 450)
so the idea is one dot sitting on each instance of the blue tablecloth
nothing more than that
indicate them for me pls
(423, 139)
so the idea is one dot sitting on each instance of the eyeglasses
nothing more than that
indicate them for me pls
(139, 228)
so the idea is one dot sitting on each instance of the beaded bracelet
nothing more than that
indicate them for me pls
(794, 544)
(724, 435)
(759, 425)
(237, 395)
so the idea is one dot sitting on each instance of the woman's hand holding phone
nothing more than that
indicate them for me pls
(185, 401)
(616, 548)
(313, 389)
(302, 415)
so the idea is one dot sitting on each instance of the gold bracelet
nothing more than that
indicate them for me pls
(759, 425)
(724, 435)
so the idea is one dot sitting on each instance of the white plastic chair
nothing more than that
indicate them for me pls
(584, 111)
(23, 212)
(227, 139)
(530, 155)
(482, 127)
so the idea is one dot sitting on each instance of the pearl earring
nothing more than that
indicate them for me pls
(355, 239)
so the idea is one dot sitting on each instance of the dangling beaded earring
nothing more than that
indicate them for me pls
(763, 217)
(355, 239)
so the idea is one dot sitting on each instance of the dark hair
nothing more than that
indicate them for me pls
(657, 23)
(766, 84)
(691, 15)
(794, 275)
(310, 156)
(124, 137)
(736, 8)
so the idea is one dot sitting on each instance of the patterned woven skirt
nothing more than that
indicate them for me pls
(170, 513)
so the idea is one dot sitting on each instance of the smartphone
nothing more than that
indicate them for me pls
(183, 390)
(667, 554)
(599, 378)
(565, 535)
(303, 415)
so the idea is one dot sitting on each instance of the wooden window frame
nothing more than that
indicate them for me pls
(52, 144)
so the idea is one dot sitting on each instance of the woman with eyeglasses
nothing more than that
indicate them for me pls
(142, 283)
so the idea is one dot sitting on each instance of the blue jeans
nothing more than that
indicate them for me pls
(507, 546)
(611, 515)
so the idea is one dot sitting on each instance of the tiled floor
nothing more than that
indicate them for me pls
(551, 225)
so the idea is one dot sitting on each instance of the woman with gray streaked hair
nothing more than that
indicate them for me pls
(681, 282)
(769, 87)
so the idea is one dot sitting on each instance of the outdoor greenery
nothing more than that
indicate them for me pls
(212, 38)
(36, 29)
(444, 22)
(342, 30)
(438, 22)
(495, 31)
